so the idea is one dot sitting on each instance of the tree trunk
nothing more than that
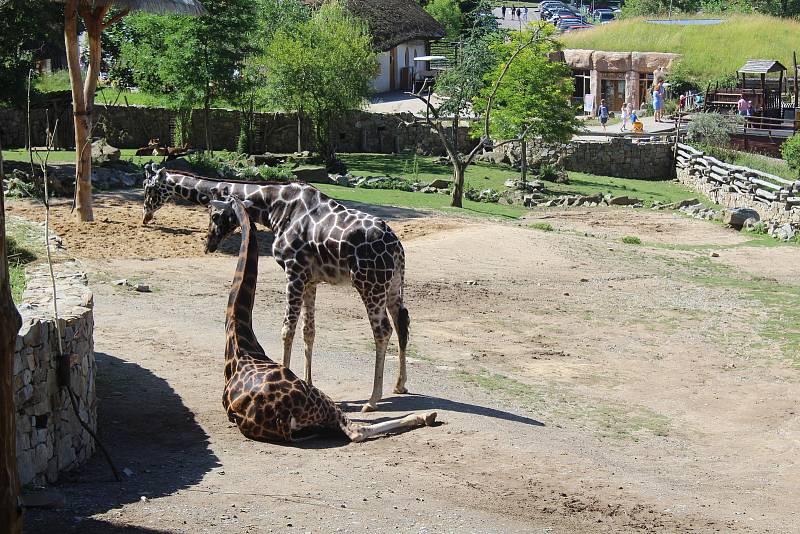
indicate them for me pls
(10, 323)
(81, 116)
(524, 165)
(458, 184)
(300, 131)
(206, 111)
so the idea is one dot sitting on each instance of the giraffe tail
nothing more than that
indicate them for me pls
(403, 325)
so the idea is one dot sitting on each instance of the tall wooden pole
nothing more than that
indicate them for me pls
(794, 57)
(10, 323)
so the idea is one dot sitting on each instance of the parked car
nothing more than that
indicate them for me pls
(604, 16)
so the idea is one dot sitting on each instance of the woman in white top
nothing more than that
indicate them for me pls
(627, 110)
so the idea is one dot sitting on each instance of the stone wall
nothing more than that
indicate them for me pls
(775, 213)
(49, 437)
(621, 157)
(134, 126)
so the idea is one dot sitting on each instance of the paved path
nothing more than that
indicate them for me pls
(515, 24)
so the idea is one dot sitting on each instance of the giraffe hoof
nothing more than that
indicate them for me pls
(400, 390)
(429, 418)
(368, 408)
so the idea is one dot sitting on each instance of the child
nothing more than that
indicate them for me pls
(602, 113)
(627, 110)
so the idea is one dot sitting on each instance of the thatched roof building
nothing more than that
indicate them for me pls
(393, 22)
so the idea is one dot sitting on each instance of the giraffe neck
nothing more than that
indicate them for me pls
(239, 316)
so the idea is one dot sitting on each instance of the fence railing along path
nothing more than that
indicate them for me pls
(760, 186)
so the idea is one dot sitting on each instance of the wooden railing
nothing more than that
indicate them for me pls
(760, 186)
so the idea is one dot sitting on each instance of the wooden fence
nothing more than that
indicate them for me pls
(759, 186)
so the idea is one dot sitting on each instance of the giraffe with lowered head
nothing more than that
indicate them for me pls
(316, 240)
(265, 399)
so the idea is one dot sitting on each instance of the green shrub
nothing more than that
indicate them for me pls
(712, 129)
(265, 173)
(18, 256)
(398, 184)
(791, 152)
(631, 240)
(544, 227)
(548, 172)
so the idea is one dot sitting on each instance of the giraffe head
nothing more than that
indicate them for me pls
(225, 216)
(156, 192)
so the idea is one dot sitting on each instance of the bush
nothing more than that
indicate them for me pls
(712, 128)
(398, 184)
(631, 240)
(791, 152)
(544, 227)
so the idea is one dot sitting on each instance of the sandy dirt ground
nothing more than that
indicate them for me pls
(583, 385)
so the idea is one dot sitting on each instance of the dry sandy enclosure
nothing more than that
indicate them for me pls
(583, 385)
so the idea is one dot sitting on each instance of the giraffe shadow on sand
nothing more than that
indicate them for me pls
(413, 402)
(147, 430)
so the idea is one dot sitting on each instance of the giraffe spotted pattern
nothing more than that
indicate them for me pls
(316, 240)
(265, 400)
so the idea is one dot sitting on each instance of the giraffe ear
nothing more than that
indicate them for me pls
(219, 204)
(247, 203)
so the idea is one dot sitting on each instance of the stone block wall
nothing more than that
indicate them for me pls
(777, 213)
(622, 157)
(134, 126)
(49, 437)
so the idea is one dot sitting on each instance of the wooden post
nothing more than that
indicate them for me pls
(794, 57)
(10, 323)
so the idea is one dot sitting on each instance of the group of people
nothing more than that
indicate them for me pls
(690, 101)
(628, 114)
(519, 13)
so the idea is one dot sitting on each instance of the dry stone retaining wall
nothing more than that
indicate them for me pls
(134, 126)
(49, 437)
(776, 199)
(621, 157)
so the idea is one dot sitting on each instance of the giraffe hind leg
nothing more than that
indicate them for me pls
(382, 331)
(309, 330)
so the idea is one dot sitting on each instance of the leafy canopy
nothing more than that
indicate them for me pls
(533, 98)
(448, 14)
(322, 67)
(190, 59)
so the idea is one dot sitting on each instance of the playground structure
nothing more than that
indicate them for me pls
(773, 98)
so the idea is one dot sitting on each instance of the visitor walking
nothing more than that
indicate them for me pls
(750, 109)
(602, 113)
(525, 13)
(503, 11)
(682, 102)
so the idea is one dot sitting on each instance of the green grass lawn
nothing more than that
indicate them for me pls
(482, 176)
(21, 251)
(709, 52)
(17, 273)
(68, 156)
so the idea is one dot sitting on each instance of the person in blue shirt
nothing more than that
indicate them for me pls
(602, 113)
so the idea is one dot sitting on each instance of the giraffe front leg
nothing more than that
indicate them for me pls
(294, 301)
(309, 331)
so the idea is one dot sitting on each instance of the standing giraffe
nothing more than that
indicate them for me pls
(265, 399)
(316, 240)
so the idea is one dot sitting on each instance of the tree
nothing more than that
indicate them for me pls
(790, 150)
(10, 323)
(193, 60)
(272, 15)
(96, 18)
(321, 68)
(25, 28)
(448, 14)
(533, 100)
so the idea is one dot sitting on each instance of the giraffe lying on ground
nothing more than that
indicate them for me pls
(316, 240)
(265, 399)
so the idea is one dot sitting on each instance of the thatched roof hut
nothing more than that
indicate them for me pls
(393, 22)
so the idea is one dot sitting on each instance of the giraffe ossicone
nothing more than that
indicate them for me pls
(264, 399)
(317, 240)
